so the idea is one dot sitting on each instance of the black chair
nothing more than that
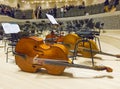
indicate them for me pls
(86, 36)
(13, 39)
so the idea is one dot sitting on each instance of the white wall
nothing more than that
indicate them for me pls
(12, 3)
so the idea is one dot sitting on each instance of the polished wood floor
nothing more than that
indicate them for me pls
(11, 77)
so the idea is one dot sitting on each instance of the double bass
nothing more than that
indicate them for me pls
(34, 47)
(32, 54)
(83, 48)
(71, 40)
(52, 37)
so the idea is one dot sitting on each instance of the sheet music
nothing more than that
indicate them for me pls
(52, 19)
(10, 28)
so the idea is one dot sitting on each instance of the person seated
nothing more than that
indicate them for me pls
(110, 5)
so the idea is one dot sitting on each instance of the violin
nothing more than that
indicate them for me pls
(32, 54)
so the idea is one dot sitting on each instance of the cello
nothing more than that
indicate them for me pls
(32, 54)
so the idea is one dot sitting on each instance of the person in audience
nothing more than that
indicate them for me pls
(18, 5)
(110, 5)
(64, 8)
(116, 2)
(35, 13)
(55, 11)
(86, 13)
(39, 12)
(0, 10)
(23, 15)
(12, 12)
(62, 11)
(82, 6)
(106, 4)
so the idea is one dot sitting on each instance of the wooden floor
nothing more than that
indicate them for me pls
(11, 77)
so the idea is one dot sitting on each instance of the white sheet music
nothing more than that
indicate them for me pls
(10, 28)
(52, 19)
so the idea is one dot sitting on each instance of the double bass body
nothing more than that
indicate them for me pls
(33, 48)
(70, 41)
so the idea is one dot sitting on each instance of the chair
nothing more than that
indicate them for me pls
(13, 39)
(86, 36)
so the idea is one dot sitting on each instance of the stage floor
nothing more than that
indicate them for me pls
(11, 77)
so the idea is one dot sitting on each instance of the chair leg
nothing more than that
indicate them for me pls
(7, 54)
(76, 46)
(91, 53)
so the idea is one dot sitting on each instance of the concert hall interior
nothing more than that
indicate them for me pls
(72, 43)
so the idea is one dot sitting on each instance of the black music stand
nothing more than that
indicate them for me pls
(11, 29)
(55, 25)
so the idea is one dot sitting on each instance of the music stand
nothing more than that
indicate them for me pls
(55, 25)
(52, 19)
(10, 28)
